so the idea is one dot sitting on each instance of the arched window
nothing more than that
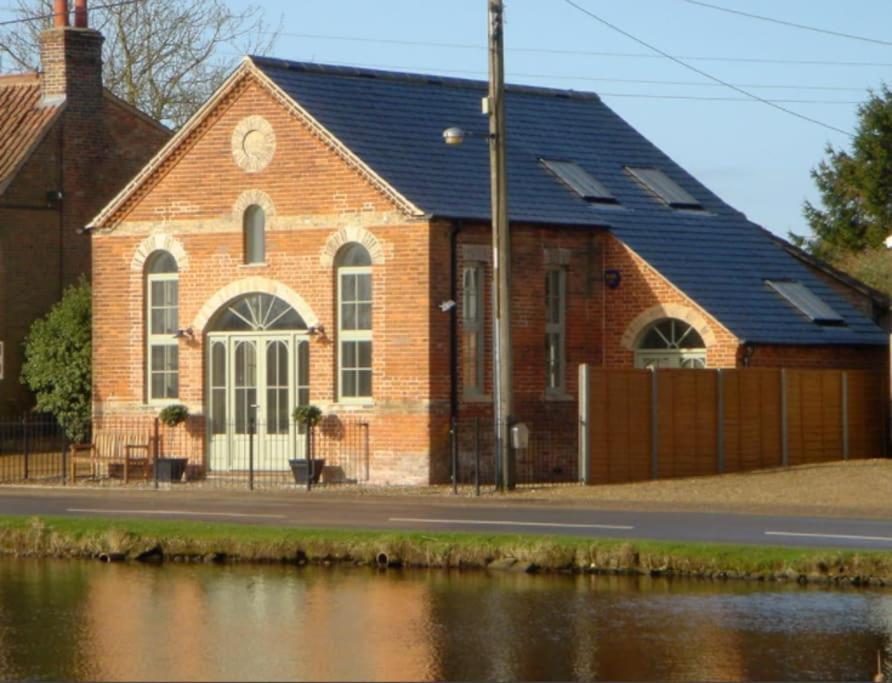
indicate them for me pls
(354, 283)
(162, 325)
(671, 343)
(255, 234)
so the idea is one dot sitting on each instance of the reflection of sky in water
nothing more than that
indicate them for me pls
(91, 621)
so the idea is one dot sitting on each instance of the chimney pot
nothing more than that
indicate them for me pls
(80, 13)
(60, 19)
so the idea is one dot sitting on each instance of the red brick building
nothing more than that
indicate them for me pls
(308, 237)
(67, 146)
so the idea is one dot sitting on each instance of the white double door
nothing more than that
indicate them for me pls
(254, 383)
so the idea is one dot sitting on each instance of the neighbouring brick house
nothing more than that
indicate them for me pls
(307, 236)
(67, 147)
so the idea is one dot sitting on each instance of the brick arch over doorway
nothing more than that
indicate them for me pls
(689, 315)
(247, 286)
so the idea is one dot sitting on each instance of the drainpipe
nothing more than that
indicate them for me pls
(453, 349)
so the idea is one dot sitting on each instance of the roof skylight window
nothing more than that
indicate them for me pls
(665, 188)
(580, 181)
(807, 302)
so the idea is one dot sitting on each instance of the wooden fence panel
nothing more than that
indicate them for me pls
(752, 419)
(814, 416)
(867, 414)
(619, 425)
(757, 404)
(687, 433)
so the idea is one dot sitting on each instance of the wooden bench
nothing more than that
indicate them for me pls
(114, 455)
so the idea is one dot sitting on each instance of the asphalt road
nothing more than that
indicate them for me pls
(416, 513)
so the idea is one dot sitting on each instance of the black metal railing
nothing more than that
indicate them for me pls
(33, 448)
(551, 455)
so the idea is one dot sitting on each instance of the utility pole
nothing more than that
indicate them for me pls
(501, 242)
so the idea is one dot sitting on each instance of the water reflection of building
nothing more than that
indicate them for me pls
(195, 623)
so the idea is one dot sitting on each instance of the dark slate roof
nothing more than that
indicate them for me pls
(394, 123)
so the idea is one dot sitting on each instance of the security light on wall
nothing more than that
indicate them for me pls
(186, 333)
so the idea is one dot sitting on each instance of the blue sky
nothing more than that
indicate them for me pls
(756, 158)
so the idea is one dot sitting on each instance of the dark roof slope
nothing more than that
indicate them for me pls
(24, 119)
(394, 123)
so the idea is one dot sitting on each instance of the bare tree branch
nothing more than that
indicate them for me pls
(165, 57)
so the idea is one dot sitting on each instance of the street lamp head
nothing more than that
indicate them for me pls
(454, 136)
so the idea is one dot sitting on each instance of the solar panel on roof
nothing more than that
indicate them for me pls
(665, 188)
(806, 301)
(579, 180)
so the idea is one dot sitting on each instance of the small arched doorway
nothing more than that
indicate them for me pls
(258, 357)
(670, 343)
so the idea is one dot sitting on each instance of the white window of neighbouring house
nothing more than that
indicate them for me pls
(355, 298)
(162, 323)
(555, 331)
(472, 330)
(255, 235)
(671, 343)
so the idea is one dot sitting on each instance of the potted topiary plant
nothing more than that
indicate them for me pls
(307, 470)
(174, 415)
(172, 469)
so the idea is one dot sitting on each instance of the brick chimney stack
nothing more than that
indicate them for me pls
(71, 74)
(71, 59)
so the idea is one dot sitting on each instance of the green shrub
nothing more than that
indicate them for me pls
(174, 415)
(57, 366)
(307, 415)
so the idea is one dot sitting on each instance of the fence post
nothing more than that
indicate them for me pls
(584, 408)
(720, 420)
(311, 438)
(477, 456)
(453, 431)
(785, 436)
(64, 458)
(845, 415)
(251, 427)
(27, 445)
(156, 428)
(654, 425)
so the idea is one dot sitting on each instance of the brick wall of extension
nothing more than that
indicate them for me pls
(88, 154)
(193, 206)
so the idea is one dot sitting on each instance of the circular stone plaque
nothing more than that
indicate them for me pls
(253, 144)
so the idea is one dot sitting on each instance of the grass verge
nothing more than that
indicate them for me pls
(196, 541)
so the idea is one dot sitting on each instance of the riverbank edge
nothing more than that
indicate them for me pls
(114, 540)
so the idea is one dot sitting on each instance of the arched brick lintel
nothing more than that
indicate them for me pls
(159, 242)
(689, 315)
(247, 286)
(346, 235)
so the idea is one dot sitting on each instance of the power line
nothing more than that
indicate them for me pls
(582, 53)
(792, 24)
(678, 61)
(44, 17)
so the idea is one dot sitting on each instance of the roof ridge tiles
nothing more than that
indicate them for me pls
(416, 77)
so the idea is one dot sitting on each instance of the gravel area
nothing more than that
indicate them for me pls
(859, 488)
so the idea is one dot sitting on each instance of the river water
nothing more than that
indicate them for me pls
(86, 621)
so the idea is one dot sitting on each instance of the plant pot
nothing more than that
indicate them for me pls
(172, 469)
(300, 467)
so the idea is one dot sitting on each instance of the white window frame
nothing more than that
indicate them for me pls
(159, 340)
(475, 326)
(346, 336)
(673, 356)
(558, 328)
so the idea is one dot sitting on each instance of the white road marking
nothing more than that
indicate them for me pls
(481, 522)
(842, 537)
(174, 513)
